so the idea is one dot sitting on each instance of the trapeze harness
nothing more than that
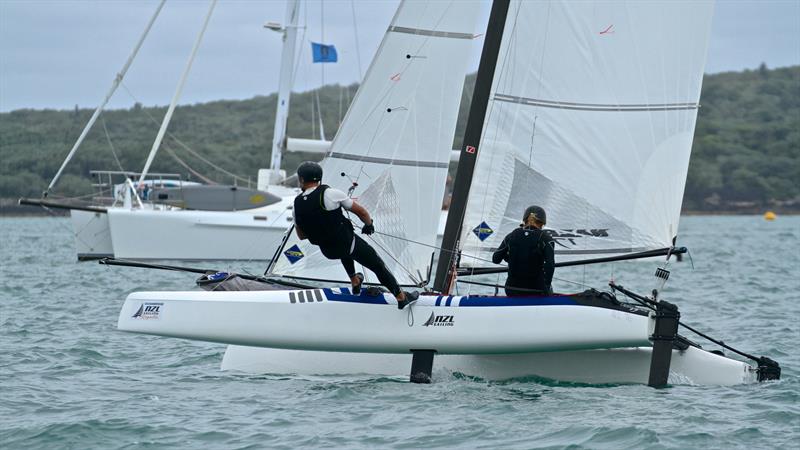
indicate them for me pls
(333, 233)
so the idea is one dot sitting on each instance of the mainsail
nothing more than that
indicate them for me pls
(591, 115)
(393, 148)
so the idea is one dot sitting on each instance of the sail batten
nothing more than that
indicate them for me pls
(594, 106)
(392, 150)
(592, 114)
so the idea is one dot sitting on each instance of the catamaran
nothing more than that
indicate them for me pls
(585, 108)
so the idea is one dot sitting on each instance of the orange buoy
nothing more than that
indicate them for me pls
(769, 215)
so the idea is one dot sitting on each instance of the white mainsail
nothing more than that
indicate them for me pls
(396, 139)
(591, 116)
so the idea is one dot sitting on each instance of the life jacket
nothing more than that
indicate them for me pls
(526, 258)
(327, 229)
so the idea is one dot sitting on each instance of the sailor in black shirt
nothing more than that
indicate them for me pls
(529, 251)
(318, 217)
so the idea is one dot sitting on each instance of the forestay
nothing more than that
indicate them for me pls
(591, 115)
(396, 138)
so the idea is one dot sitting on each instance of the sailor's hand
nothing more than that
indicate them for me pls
(368, 228)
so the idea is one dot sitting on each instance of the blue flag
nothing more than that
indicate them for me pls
(323, 53)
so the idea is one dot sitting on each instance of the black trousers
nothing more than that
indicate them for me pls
(525, 288)
(365, 255)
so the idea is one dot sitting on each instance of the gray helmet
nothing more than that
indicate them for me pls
(309, 171)
(538, 214)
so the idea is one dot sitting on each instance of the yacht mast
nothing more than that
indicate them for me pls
(176, 96)
(445, 271)
(284, 87)
(114, 86)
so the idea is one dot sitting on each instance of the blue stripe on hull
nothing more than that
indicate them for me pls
(516, 301)
(473, 301)
(347, 296)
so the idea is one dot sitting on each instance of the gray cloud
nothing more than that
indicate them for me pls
(59, 53)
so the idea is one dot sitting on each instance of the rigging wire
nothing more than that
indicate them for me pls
(652, 305)
(110, 144)
(358, 49)
(183, 145)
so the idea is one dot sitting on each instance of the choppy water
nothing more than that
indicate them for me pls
(68, 379)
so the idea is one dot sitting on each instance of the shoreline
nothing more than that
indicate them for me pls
(30, 211)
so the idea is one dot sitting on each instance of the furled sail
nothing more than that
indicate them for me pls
(591, 115)
(393, 147)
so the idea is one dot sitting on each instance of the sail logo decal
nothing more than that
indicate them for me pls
(564, 237)
(439, 321)
(470, 149)
(483, 231)
(294, 254)
(148, 311)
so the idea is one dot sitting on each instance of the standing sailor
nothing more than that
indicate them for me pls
(318, 217)
(530, 256)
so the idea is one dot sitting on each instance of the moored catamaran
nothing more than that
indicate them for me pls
(586, 109)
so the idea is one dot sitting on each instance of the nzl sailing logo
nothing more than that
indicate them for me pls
(148, 311)
(294, 254)
(439, 321)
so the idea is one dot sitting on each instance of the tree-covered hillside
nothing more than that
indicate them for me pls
(746, 152)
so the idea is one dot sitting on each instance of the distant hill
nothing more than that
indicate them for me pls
(746, 155)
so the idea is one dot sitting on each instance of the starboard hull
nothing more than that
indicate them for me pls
(602, 366)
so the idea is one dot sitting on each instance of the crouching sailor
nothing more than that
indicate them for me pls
(318, 217)
(529, 251)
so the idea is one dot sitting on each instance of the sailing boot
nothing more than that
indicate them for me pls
(411, 297)
(357, 280)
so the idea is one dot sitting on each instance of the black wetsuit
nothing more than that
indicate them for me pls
(333, 233)
(531, 262)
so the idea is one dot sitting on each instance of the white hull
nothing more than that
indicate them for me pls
(333, 332)
(334, 320)
(92, 234)
(178, 234)
(603, 366)
(201, 235)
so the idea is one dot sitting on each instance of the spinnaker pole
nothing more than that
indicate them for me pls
(114, 86)
(448, 257)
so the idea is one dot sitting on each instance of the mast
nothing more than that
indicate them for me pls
(445, 271)
(176, 96)
(114, 86)
(284, 85)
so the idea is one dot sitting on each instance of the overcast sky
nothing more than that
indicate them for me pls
(59, 53)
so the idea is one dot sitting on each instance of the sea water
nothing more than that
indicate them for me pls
(68, 379)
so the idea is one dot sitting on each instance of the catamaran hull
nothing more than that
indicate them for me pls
(331, 331)
(335, 320)
(602, 366)
(92, 234)
(144, 234)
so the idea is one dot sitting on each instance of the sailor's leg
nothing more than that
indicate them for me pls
(349, 265)
(367, 257)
